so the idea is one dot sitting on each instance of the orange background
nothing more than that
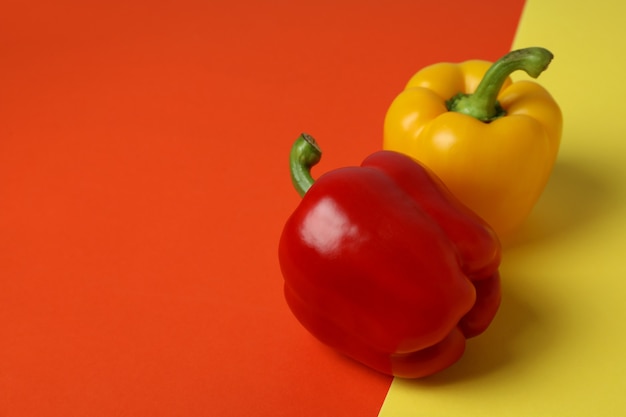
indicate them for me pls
(144, 183)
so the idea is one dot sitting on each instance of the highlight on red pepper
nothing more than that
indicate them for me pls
(382, 263)
(492, 141)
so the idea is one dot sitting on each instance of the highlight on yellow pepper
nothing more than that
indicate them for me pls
(492, 141)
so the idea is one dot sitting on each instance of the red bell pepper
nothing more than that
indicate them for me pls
(383, 264)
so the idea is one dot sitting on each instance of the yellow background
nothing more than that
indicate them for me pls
(558, 344)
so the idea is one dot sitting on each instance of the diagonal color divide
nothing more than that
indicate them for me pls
(556, 347)
(144, 184)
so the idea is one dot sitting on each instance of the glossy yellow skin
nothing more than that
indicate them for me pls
(497, 169)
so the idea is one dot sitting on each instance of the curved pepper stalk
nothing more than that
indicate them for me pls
(304, 154)
(483, 104)
(383, 264)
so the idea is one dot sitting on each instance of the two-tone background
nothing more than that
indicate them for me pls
(144, 184)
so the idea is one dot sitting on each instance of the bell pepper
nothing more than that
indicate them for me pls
(492, 141)
(383, 264)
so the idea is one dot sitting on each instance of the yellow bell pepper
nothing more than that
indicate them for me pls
(492, 141)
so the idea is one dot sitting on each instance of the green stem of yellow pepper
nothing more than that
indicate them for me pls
(483, 103)
(304, 154)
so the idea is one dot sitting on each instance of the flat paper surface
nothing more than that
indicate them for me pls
(557, 345)
(144, 184)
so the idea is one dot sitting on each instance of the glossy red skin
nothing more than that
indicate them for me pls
(383, 264)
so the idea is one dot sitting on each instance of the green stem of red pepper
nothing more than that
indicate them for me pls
(304, 155)
(483, 104)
